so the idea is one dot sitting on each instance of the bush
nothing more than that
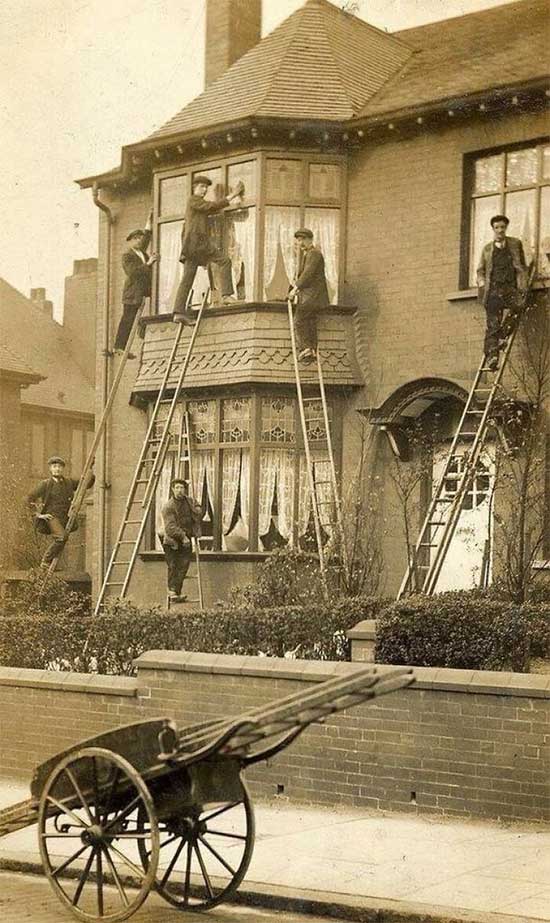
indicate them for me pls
(464, 630)
(537, 616)
(110, 642)
(288, 577)
(38, 597)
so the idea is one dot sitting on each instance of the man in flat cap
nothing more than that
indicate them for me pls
(138, 267)
(199, 248)
(53, 498)
(311, 291)
(182, 517)
(501, 279)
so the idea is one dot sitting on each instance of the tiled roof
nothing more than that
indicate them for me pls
(12, 363)
(41, 344)
(502, 46)
(320, 63)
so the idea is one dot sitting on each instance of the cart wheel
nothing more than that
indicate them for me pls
(89, 836)
(204, 853)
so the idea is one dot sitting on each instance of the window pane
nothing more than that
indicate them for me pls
(521, 167)
(235, 496)
(236, 420)
(245, 172)
(203, 421)
(315, 421)
(38, 444)
(279, 250)
(482, 212)
(170, 269)
(520, 209)
(276, 497)
(77, 449)
(278, 420)
(324, 181)
(544, 247)
(325, 224)
(489, 173)
(546, 162)
(284, 180)
(173, 195)
(240, 231)
(216, 190)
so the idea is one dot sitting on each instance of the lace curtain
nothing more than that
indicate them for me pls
(276, 468)
(325, 224)
(203, 467)
(321, 470)
(170, 269)
(162, 494)
(280, 224)
(241, 248)
(235, 483)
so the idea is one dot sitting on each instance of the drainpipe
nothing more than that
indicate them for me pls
(102, 473)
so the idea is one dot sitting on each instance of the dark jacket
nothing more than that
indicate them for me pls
(137, 285)
(485, 267)
(182, 519)
(197, 241)
(56, 496)
(311, 281)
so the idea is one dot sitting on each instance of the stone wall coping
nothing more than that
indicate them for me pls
(471, 681)
(363, 631)
(94, 683)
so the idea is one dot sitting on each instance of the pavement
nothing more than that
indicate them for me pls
(356, 865)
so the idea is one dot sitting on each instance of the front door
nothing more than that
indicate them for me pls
(468, 560)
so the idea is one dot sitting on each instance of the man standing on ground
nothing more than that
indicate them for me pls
(501, 279)
(181, 516)
(311, 292)
(55, 495)
(138, 267)
(199, 249)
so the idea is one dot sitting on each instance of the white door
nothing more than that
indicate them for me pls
(470, 548)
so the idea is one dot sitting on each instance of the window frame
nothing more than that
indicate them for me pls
(469, 196)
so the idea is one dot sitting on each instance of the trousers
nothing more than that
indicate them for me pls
(57, 530)
(305, 326)
(499, 300)
(125, 324)
(219, 271)
(177, 562)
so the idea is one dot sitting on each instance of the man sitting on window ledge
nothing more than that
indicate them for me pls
(501, 277)
(198, 248)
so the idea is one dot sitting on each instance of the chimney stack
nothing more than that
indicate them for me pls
(233, 27)
(38, 297)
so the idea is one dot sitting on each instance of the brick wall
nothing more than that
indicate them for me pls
(457, 743)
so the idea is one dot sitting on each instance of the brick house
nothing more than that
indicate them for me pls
(395, 149)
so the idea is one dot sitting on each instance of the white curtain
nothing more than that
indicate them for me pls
(276, 471)
(323, 492)
(269, 465)
(170, 269)
(245, 488)
(520, 209)
(236, 481)
(162, 494)
(241, 249)
(325, 224)
(203, 465)
(280, 224)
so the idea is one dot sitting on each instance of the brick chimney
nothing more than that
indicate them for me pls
(38, 297)
(233, 27)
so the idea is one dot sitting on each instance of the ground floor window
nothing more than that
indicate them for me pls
(248, 470)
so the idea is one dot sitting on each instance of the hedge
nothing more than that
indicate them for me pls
(464, 630)
(110, 642)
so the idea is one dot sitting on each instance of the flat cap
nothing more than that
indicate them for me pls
(56, 459)
(139, 232)
(199, 178)
(303, 232)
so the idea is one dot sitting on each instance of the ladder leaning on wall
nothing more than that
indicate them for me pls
(323, 491)
(147, 474)
(80, 492)
(443, 513)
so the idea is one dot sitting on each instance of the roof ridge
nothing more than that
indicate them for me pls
(338, 11)
(463, 16)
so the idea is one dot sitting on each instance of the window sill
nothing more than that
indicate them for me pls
(148, 556)
(247, 307)
(470, 294)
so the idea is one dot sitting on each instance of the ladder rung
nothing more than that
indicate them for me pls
(115, 583)
(436, 522)
(120, 563)
(427, 545)
(443, 500)
(133, 522)
(469, 434)
(476, 411)
(127, 541)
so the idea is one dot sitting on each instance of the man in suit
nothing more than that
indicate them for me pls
(502, 280)
(182, 519)
(54, 494)
(199, 247)
(311, 291)
(138, 267)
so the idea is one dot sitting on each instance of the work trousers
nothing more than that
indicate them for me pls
(177, 561)
(500, 300)
(305, 326)
(125, 324)
(57, 530)
(219, 271)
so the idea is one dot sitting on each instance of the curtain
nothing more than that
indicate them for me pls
(325, 224)
(280, 224)
(241, 248)
(162, 494)
(520, 209)
(236, 480)
(268, 475)
(276, 472)
(231, 474)
(170, 269)
(203, 466)
(323, 492)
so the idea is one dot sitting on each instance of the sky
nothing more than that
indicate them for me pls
(81, 78)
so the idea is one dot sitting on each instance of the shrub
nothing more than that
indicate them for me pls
(537, 616)
(110, 642)
(38, 597)
(288, 577)
(463, 630)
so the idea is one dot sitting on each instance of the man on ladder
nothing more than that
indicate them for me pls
(182, 517)
(55, 495)
(138, 267)
(311, 293)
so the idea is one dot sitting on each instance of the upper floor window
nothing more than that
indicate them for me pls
(287, 192)
(515, 183)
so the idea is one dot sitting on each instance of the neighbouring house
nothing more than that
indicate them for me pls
(47, 386)
(395, 149)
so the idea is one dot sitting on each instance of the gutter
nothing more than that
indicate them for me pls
(102, 472)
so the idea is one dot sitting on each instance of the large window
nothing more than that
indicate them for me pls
(249, 471)
(515, 183)
(288, 192)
